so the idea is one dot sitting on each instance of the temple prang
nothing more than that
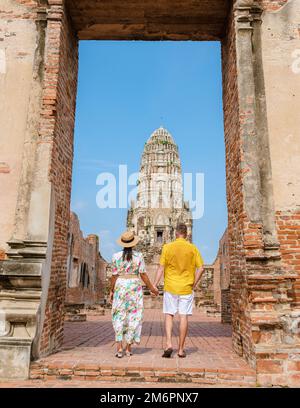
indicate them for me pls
(160, 204)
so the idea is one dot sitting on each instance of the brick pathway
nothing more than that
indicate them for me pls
(88, 354)
(115, 384)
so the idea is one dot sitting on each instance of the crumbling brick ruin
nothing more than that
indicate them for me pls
(221, 284)
(261, 97)
(86, 268)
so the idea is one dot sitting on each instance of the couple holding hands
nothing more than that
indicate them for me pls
(181, 264)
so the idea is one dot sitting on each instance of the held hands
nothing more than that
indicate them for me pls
(111, 296)
(154, 291)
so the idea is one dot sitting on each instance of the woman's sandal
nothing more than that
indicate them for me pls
(183, 355)
(119, 354)
(128, 353)
(167, 353)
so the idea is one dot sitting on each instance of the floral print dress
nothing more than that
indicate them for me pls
(128, 307)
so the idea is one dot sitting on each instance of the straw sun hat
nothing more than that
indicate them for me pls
(128, 239)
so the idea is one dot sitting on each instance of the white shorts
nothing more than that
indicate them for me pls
(182, 304)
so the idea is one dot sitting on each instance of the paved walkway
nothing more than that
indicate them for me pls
(107, 384)
(88, 354)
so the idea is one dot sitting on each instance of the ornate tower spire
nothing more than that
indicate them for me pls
(159, 206)
(160, 173)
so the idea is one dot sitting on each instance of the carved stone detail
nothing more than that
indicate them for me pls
(20, 296)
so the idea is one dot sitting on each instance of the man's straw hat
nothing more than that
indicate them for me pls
(128, 239)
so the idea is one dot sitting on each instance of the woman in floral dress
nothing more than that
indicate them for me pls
(127, 293)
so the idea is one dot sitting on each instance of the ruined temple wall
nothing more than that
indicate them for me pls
(281, 60)
(265, 328)
(57, 126)
(217, 281)
(20, 84)
(258, 282)
(225, 279)
(204, 293)
(280, 45)
(221, 280)
(235, 198)
(100, 286)
(85, 250)
(224, 261)
(259, 184)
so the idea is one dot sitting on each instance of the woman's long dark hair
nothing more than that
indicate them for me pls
(127, 254)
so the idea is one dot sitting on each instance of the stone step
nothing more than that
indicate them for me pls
(87, 372)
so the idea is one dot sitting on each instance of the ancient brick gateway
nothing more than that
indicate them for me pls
(261, 92)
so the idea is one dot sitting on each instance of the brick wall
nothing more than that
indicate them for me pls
(259, 286)
(217, 281)
(225, 278)
(288, 224)
(247, 256)
(221, 279)
(84, 256)
(57, 125)
(235, 199)
(281, 37)
(225, 306)
(224, 261)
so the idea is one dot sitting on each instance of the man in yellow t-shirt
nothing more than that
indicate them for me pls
(182, 266)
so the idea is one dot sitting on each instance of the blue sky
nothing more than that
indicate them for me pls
(125, 91)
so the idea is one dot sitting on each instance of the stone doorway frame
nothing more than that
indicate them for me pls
(33, 277)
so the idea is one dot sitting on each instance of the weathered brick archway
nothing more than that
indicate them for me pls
(38, 67)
